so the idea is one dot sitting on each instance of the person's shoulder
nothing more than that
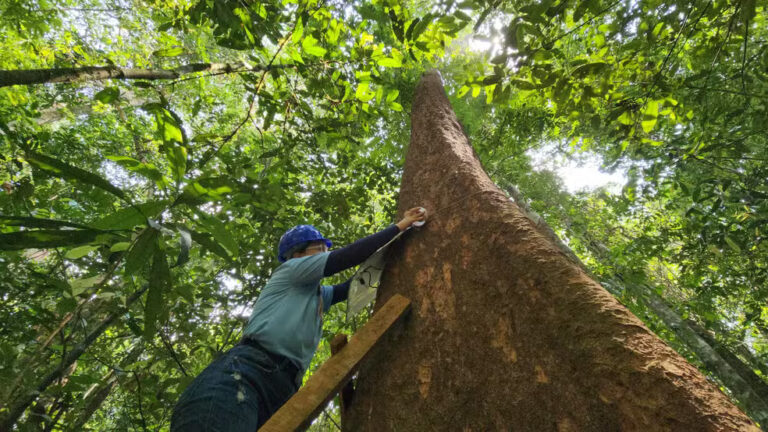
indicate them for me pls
(306, 260)
(303, 264)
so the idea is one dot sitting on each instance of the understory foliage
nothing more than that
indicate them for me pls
(139, 217)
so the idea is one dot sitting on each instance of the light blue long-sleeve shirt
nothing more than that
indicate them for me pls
(288, 316)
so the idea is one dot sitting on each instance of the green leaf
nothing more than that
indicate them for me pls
(363, 92)
(79, 252)
(390, 62)
(411, 27)
(593, 68)
(270, 153)
(129, 217)
(578, 13)
(143, 248)
(298, 32)
(159, 282)
(648, 123)
(119, 247)
(521, 84)
(295, 55)
(172, 132)
(732, 244)
(177, 157)
(80, 285)
(397, 25)
(651, 109)
(650, 115)
(219, 232)
(626, 118)
(491, 79)
(207, 242)
(420, 26)
(147, 170)
(185, 243)
(168, 123)
(309, 44)
(212, 188)
(169, 52)
(63, 170)
(108, 95)
(42, 239)
(187, 292)
(462, 16)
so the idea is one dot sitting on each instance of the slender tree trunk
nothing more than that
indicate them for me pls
(17, 409)
(97, 396)
(740, 350)
(33, 360)
(506, 332)
(745, 370)
(98, 73)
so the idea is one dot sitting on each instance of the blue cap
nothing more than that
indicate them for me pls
(298, 235)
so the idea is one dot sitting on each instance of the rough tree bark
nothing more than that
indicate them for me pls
(748, 393)
(506, 332)
(740, 379)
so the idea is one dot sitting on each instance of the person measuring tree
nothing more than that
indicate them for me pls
(240, 390)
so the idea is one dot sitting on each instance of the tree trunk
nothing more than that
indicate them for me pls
(740, 350)
(506, 332)
(745, 388)
(740, 379)
(745, 370)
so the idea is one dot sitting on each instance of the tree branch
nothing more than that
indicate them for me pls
(172, 352)
(98, 73)
(138, 396)
(15, 411)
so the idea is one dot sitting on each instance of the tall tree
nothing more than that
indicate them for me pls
(506, 330)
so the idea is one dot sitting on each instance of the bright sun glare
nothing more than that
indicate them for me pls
(579, 172)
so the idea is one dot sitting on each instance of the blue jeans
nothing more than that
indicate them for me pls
(239, 391)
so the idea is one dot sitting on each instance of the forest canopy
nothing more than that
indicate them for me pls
(153, 153)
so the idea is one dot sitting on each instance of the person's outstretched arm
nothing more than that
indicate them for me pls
(340, 292)
(359, 251)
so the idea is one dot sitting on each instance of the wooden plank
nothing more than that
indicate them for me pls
(347, 388)
(307, 403)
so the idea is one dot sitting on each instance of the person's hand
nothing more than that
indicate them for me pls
(416, 214)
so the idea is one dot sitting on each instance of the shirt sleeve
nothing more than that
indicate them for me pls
(327, 292)
(309, 269)
(341, 291)
(359, 251)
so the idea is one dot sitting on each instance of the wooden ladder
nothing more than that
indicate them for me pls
(309, 401)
